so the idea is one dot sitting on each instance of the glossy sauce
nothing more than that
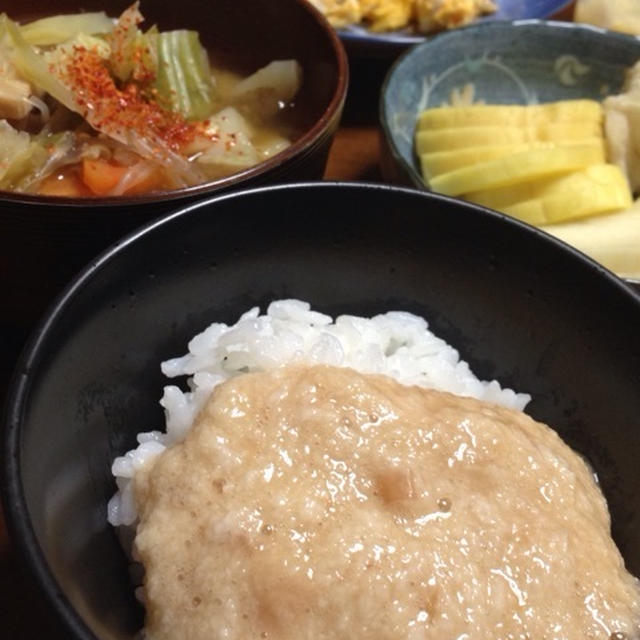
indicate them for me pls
(318, 502)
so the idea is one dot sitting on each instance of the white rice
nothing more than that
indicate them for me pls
(397, 344)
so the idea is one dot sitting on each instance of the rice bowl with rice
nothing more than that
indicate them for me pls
(397, 344)
(327, 478)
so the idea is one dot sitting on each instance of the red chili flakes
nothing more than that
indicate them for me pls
(122, 110)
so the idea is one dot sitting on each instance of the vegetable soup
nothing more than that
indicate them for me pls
(94, 106)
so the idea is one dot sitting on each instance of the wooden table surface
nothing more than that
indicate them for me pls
(354, 156)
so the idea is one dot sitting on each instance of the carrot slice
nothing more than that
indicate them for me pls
(101, 176)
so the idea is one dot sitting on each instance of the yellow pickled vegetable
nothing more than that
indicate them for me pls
(438, 162)
(463, 137)
(543, 164)
(596, 190)
(517, 168)
(511, 115)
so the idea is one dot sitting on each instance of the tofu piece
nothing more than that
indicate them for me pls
(14, 94)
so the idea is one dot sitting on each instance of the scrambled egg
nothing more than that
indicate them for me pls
(387, 15)
(432, 15)
(340, 13)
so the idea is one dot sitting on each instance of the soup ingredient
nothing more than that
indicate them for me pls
(14, 98)
(424, 16)
(542, 164)
(324, 503)
(58, 29)
(15, 151)
(612, 239)
(143, 105)
(181, 64)
(267, 88)
(618, 15)
(396, 344)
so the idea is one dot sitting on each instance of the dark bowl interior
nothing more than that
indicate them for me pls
(45, 241)
(518, 305)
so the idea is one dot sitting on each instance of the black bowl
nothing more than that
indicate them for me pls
(44, 241)
(519, 305)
